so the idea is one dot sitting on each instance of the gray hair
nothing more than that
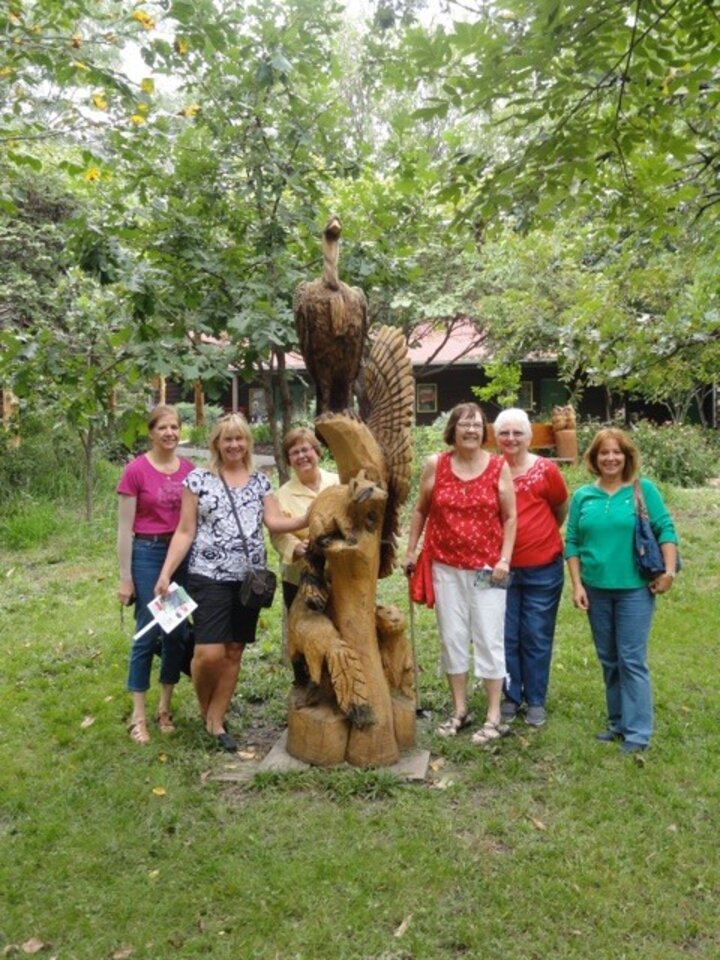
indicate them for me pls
(516, 416)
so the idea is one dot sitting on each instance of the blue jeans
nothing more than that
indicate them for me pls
(148, 557)
(532, 606)
(620, 622)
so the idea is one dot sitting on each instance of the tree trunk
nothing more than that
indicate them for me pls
(199, 404)
(87, 439)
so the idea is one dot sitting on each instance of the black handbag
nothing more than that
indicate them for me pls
(257, 589)
(648, 555)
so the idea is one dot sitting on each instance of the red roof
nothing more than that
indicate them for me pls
(432, 344)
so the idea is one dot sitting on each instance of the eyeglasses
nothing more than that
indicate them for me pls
(300, 451)
(511, 433)
(466, 424)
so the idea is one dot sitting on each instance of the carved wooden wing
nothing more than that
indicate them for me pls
(389, 395)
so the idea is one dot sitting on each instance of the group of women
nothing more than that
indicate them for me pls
(211, 536)
(491, 548)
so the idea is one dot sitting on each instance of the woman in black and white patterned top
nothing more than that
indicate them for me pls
(219, 562)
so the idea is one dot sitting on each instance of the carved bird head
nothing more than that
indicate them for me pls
(333, 228)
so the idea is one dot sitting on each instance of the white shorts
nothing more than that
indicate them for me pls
(469, 614)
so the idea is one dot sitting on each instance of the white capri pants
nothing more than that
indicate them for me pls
(467, 613)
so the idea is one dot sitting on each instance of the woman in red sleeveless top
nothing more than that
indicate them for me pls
(466, 505)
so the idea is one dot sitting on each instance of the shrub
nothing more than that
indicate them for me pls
(261, 433)
(47, 463)
(685, 456)
(198, 436)
(187, 414)
(29, 525)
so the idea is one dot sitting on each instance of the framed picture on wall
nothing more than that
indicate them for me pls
(426, 398)
(258, 412)
(525, 395)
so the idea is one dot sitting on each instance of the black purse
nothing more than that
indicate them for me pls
(648, 555)
(257, 589)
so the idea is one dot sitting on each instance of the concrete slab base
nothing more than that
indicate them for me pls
(412, 765)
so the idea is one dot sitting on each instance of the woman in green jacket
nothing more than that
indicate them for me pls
(607, 585)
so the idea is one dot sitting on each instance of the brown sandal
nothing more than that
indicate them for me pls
(139, 732)
(489, 732)
(454, 725)
(164, 721)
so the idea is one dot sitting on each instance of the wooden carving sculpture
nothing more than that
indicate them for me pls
(353, 697)
(331, 323)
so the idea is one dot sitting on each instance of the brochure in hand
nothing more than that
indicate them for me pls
(169, 611)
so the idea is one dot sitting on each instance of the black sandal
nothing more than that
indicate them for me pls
(225, 742)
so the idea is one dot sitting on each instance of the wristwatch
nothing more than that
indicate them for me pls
(504, 560)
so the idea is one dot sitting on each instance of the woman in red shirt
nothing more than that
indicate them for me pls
(537, 568)
(466, 505)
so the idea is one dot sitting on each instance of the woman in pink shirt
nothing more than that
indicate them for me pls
(150, 490)
(537, 568)
(466, 505)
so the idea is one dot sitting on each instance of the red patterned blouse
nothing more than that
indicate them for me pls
(464, 527)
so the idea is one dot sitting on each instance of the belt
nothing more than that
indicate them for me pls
(154, 537)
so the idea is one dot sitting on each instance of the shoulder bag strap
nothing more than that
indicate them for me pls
(640, 507)
(235, 514)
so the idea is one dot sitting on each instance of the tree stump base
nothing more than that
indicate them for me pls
(404, 715)
(317, 734)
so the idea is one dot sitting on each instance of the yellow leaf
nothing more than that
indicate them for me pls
(538, 824)
(144, 19)
(162, 758)
(154, 874)
(7, 71)
(159, 791)
(88, 721)
(99, 101)
(191, 111)
(137, 120)
(142, 109)
(123, 953)
(147, 85)
(33, 945)
(76, 41)
(79, 65)
(181, 46)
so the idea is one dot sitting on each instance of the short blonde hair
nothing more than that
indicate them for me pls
(631, 467)
(230, 423)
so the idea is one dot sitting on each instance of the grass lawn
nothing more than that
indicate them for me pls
(551, 846)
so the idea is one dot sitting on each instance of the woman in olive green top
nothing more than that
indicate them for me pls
(606, 583)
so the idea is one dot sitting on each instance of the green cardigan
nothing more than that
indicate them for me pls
(600, 531)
